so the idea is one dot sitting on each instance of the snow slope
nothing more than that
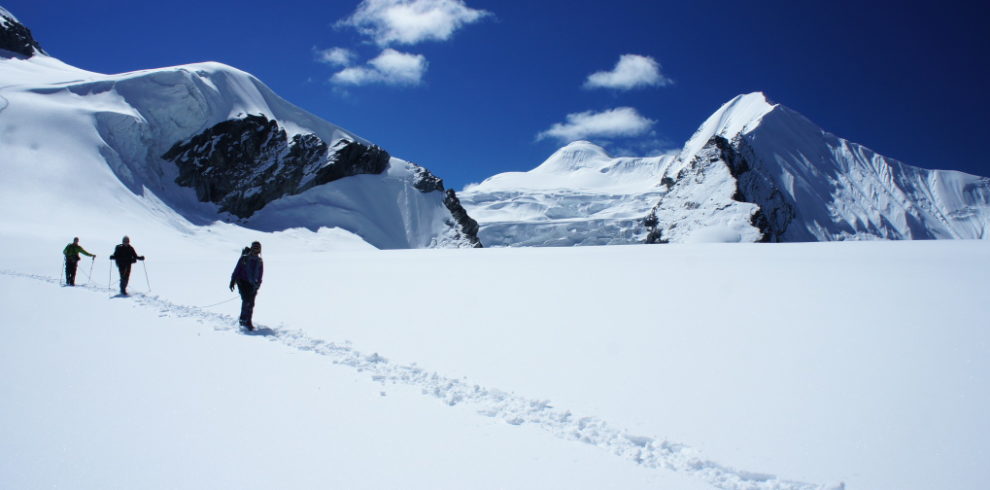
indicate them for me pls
(753, 171)
(686, 366)
(60, 124)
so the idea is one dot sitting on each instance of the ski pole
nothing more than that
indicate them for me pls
(146, 280)
(109, 277)
(61, 274)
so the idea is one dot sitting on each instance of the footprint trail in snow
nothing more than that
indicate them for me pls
(514, 409)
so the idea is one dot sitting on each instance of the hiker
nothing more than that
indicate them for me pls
(71, 253)
(125, 255)
(247, 275)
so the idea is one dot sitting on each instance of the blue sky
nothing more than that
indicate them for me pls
(471, 89)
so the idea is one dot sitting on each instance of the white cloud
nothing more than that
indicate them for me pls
(391, 67)
(411, 21)
(612, 123)
(630, 72)
(336, 56)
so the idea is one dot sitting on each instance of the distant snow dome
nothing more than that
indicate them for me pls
(578, 155)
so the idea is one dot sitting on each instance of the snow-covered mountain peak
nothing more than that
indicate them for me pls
(741, 114)
(811, 185)
(203, 143)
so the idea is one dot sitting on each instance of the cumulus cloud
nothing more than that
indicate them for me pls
(391, 67)
(632, 71)
(336, 56)
(411, 21)
(611, 123)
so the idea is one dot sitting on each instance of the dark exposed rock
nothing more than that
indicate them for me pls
(654, 230)
(775, 213)
(654, 234)
(468, 226)
(16, 38)
(425, 182)
(352, 158)
(243, 164)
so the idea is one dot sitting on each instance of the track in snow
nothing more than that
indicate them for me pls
(648, 452)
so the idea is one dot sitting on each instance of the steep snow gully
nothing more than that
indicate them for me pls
(648, 452)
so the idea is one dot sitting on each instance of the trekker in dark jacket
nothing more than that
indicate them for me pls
(125, 255)
(71, 253)
(247, 276)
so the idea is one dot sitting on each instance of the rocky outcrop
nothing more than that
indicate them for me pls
(703, 201)
(425, 181)
(16, 38)
(770, 212)
(654, 233)
(467, 227)
(753, 186)
(244, 164)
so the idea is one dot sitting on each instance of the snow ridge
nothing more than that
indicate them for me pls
(514, 409)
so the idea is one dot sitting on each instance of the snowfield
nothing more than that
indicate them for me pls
(728, 366)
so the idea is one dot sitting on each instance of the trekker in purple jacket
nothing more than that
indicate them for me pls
(247, 276)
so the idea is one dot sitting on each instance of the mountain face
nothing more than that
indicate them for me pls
(811, 185)
(754, 171)
(212, 143)
(222, 163)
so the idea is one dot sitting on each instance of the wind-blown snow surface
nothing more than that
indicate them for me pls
(756, 366)
(753, 171)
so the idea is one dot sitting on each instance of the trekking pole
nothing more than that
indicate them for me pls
(146, 280)
(89, 276)
(220, 303)
(61, 273)
(109, 277)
